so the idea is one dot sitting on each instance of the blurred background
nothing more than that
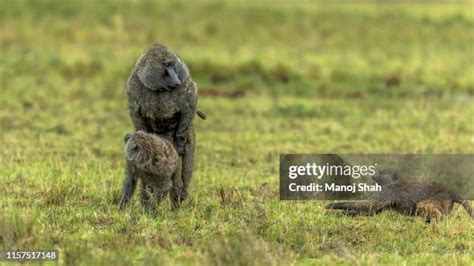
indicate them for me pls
(327, 49)
(64, 65)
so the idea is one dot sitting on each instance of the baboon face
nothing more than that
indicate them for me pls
(161, 69)
(135, 146)
(385, 177)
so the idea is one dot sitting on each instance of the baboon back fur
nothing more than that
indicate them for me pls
(404, 196)
(153, 160)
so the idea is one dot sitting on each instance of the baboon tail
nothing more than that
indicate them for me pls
(364, 207)
(340, 206)
(356, 207)
(201, 114)
(464, 203)
(353, 205)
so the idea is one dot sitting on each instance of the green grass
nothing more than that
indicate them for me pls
(273, 78)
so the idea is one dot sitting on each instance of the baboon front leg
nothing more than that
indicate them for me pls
(181, 139)
(137, 120)
(129, 184)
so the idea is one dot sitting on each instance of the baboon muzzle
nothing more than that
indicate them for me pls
(174, 79)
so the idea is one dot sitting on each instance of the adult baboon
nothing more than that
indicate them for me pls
(404, 196)
(162, 99)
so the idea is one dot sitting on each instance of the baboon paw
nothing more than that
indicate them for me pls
(175, 205)
(122, 205)
(183, 195)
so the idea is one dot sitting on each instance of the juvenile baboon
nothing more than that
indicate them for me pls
(405, 196)
(162, 99)
(153, 160)
(432, 209)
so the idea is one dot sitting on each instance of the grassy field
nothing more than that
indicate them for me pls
(274, 78)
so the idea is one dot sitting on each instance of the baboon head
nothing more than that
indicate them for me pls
(386, 177)
(136, 147)
(160, 69)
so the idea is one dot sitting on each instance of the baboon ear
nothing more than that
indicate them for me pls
(127, 137)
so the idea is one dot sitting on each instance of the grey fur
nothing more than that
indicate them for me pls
(154, 160)
(162, 99)
(404, 196)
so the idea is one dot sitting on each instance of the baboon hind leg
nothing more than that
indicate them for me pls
(177, 186)
(187, 165)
